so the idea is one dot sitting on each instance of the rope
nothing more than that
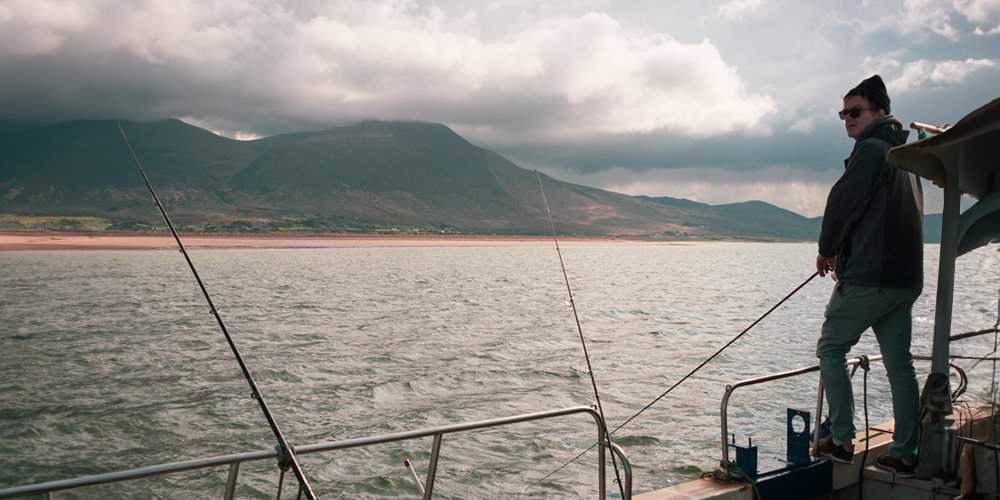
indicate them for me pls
(718, 475)
(752, 480)
(579, 329)
(286, 456)
(685, 377)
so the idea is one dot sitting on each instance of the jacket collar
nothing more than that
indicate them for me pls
(888, 129)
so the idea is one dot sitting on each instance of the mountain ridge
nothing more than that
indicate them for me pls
(373, 174)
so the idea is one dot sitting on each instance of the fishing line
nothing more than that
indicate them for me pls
(286, 457)
(996, 346)
(579, 329)
(685, 377)
(993, 379)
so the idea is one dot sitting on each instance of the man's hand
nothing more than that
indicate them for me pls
(826, 264)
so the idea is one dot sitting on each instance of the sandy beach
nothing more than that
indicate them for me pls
(23, 241)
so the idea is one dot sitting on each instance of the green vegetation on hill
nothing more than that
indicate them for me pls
(405, 177)
(13, 222)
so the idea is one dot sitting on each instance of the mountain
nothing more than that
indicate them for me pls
(410, 173)
(83, 168)
(371, 176)
(757, 218)
(932, 228)
(8, 126)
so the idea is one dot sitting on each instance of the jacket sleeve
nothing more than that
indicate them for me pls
(849, 196)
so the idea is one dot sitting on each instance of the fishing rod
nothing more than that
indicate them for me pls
(286, 456)
(579, 329)
(685, 377)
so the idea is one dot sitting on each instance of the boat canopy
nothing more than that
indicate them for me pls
(968, 153)
(963, 160)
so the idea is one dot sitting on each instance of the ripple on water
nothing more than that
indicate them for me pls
(112, 360)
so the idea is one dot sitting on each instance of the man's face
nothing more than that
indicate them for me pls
(854, 125)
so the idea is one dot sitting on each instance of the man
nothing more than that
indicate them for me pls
(872, 243)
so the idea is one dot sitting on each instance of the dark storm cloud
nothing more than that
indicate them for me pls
(586, 89)
(233, 61)
(659, 150)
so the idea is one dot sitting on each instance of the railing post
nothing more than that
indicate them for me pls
(234, 473)
(819, 415)
(627, 469)
(724, 423)
(602, 487)
(432, 468)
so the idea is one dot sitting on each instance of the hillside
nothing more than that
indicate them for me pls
(372, 176)
(758, 218)
(931, 227)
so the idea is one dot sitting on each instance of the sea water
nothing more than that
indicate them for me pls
(112, 360)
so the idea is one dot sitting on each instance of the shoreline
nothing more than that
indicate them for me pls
(55, 240)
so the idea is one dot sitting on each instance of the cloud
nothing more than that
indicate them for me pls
(917, 19)
(944, 18)
(933, 15)
(784, 186)
(738, 9)
(886, 64)
(979, 11)
(239, 135)
(981, 32)
(922, 73)
(803, 126)
(254, 61)
(38, 26)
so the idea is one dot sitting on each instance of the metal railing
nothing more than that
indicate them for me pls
(234, 460)
(724, 413)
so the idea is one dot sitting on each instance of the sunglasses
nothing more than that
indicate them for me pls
(853, 112)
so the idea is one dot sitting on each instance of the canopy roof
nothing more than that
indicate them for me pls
(968, 152)
(971, 147)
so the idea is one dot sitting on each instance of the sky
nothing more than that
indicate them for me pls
(716, 101)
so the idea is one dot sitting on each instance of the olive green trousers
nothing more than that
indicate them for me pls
(852, 310)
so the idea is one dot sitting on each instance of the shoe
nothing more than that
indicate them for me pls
(826, 448)
(896, 466)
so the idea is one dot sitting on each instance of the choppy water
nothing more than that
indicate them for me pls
(111, 360)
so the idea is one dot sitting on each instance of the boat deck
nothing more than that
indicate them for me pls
(878, 483)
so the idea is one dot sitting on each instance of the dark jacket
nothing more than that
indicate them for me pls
(873, 217)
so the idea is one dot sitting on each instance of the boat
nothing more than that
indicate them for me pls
(959, 437)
